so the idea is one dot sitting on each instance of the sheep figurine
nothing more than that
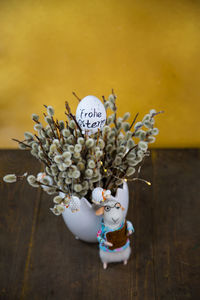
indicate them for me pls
(114, 244)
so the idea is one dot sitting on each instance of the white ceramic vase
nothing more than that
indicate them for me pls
(84, 224)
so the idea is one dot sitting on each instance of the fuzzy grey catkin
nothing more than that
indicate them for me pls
(117, 161)
(71, 148)
(99, 154)
(66, 132)
(10, 178)
(48, 120)
(50, 190)
(126, 116)
(50, 111)
(38, 127)
(89, 143)
(72, 124)
(146, 118)
(76, 155)
(152, 112)
(48, 170)
(111, 135)
(151, 139)
(106, 129)
(130, 171)
(91, 164)
(125, 126)
(138, 125)
(76, 174)
(57, 199)
(147, 124)
(32, 181)
(155, 131)
(66, 155)
(78, 187)
(106, 105)
(111, 99)
(61, 124)
(68, 180)
(62, 166)
(58, 159)
(128, 135)
(130, 143)
(77, 148)
(35, 117)
(80, 166)
(81, 141)
(101, 143)
(28, 135)
(143, 145)
(89, 173)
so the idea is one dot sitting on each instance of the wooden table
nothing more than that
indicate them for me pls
(40, 258)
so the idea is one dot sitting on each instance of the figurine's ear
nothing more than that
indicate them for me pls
(100, 211)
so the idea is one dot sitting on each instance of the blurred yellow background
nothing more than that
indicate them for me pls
(148, 51)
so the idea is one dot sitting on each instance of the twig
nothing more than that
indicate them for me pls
(15, 140)
(114, 94)
(104, 100)
(108, 182)
(157, 113)
(73, 93)
(133, 121)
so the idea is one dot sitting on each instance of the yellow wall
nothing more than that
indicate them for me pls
(147, 50)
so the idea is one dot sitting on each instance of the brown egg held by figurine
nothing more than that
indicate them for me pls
(113, 238)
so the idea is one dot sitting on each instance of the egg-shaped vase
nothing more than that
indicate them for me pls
(84, 224)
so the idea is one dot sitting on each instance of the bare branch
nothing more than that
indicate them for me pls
(20, 142)
(73, 93)
(133, 121)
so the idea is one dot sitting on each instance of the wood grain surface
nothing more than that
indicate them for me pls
(40, 258)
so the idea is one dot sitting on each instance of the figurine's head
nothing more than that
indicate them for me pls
(112, 212)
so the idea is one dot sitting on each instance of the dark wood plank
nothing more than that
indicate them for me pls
(18, 209)
(140, 212)
(61, 266)
(40, 259)
(176, 223)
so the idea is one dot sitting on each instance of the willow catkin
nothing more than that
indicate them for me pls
(50, 111)
(10, 178)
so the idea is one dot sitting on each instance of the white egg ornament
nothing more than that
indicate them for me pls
(91, 114)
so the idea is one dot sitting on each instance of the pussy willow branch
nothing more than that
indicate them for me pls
(51, 127)
(48, 185)
(20, 142)
(69, 114)
(60, 131)
(44, 152)
(43, 130)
